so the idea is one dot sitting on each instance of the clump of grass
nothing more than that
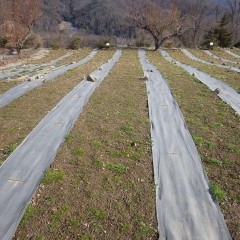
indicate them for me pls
(128, 129)
(97, 163)
(216, 124)
(202, 142)
(234, 148)
(215, 161)
(69, 138)
(52, 176)
(58, 216)
(116, 153)
(218, 192)
(79, 152)
(96, 144)
(11, 149)
(119, 168)
(28, 214)
(98, 214)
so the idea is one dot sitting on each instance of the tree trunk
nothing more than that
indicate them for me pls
(18, 48)
(157, 44)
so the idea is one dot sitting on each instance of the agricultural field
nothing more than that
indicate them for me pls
(79, 141)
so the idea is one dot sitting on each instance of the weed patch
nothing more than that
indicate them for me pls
(118, 168)
(218, 192)
(52, 176)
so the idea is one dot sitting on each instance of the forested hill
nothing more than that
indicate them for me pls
(101, 17)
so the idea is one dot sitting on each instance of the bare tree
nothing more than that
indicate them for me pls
(18, 17)
(161, 22)
(234, 11)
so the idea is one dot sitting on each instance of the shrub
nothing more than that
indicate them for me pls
(103, 43)
(34, 41)
(75, 43)
(3, 42)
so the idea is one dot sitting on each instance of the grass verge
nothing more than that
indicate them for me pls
(108, 183)
(216, 131)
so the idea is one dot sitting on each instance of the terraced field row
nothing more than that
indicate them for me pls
(100, 186)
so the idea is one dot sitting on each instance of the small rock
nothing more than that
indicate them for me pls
(100, 68)
(38, 77)
(44, 80)
(193, 74)
(217, 90)
(224, 64)
(54, 209)
(73, 62)
(133, 144)
(145, 78)
(92, 78)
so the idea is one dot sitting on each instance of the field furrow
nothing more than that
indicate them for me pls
(236, 62)
(25, 87)
(223, 54)
(216, 132)
(225, 92)
(34, 72)
(23, 170)
(105, 189)
(229, 77)
(185, 206)
(193, 57)
(234, 52)
(21, 116)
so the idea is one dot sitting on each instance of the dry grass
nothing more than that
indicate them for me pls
(23, 58)
(236, 51)
(76, 55)
(202, 55)
(107, 191)
(52, 55)
(19, 117)
(216, 131)
(5, 85)
(221, 53)
(225, 75)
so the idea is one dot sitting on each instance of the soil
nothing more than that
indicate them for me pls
(107, 191)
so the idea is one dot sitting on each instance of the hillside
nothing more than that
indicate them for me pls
(100, 17)
(94, 16)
